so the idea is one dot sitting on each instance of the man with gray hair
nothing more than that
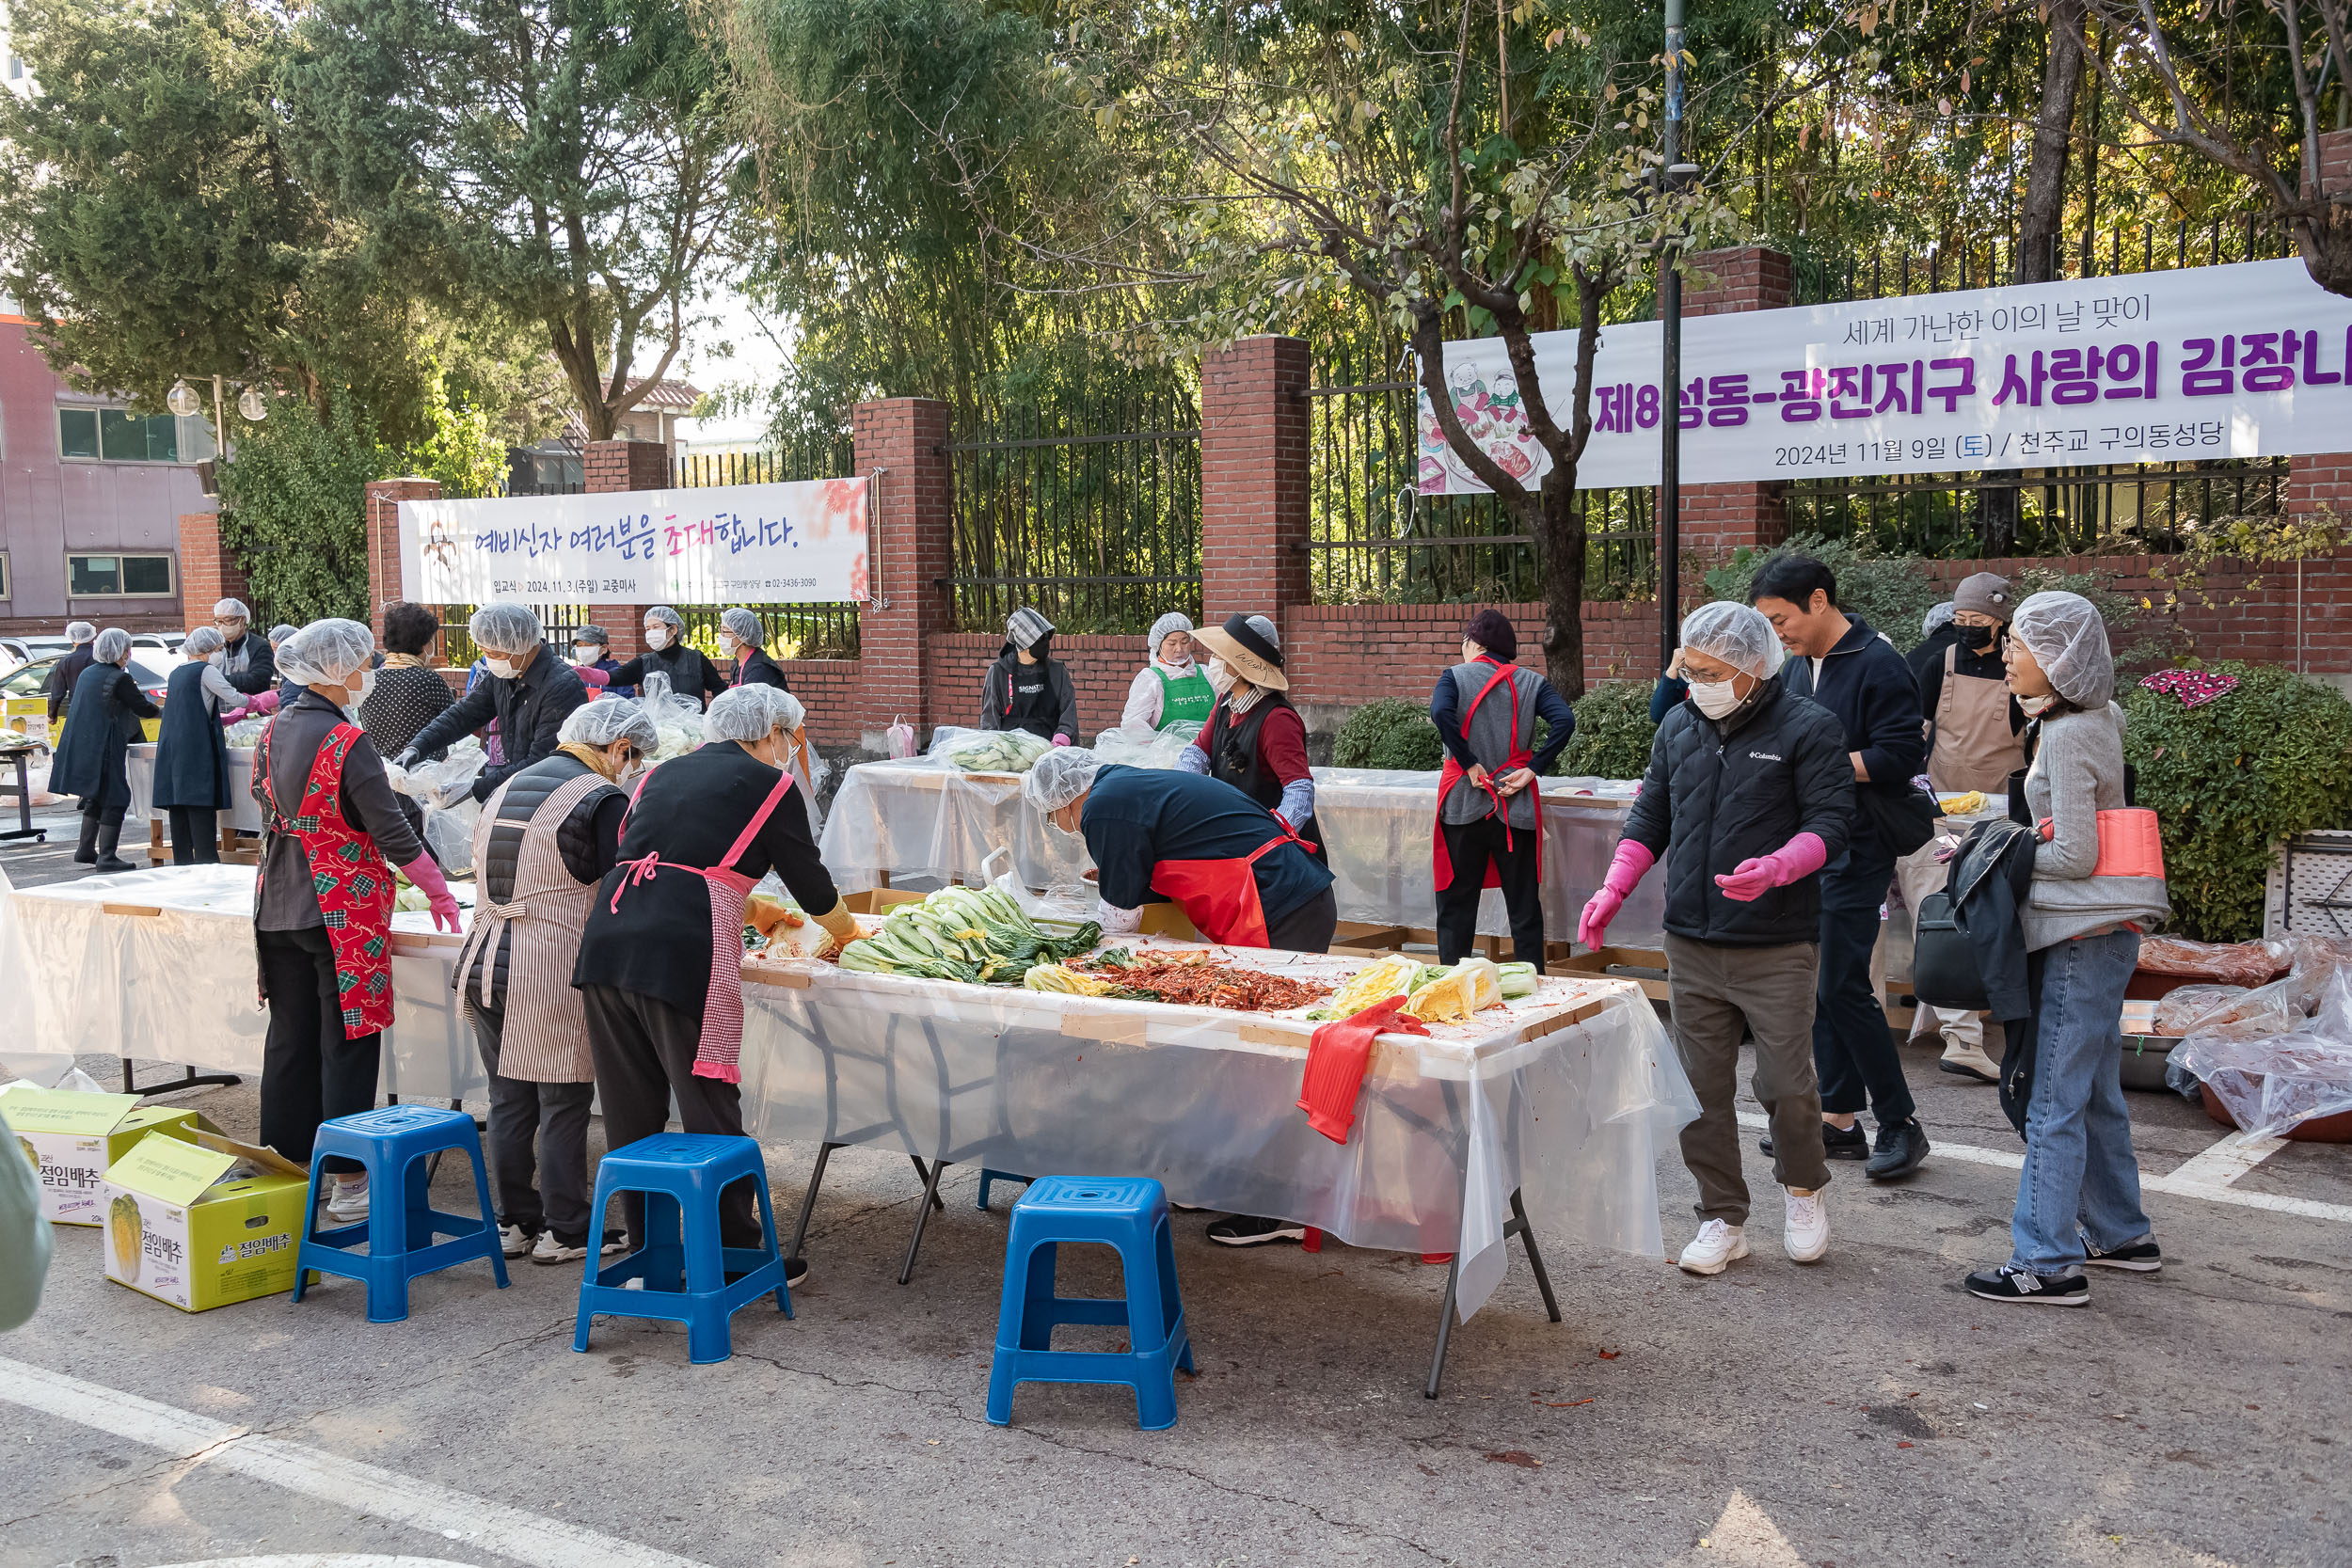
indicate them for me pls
(247, 661)
(69, 671)
(530, 691)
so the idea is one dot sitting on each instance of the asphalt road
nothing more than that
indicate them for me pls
(1862, 1411)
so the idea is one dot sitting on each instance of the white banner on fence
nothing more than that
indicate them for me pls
(737, 544)
(2247, 360)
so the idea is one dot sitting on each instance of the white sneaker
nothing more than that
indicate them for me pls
(1714, 1248)
(514, 1241)
(550, 1250)
(1807, 1232)
(347, 1203)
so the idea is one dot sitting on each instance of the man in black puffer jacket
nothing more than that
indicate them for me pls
(1748, 795)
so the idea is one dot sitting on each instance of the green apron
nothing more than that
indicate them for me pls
(1184, 703)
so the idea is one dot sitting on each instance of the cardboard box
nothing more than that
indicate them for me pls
(26, 716)
(71, 1137)
(203, 1223)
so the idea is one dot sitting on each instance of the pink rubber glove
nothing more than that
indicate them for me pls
(1632, 863)
(234, 715)
(594, 677)
(1751, 880)
(265, 702)
(1061, 740)
(428, 877)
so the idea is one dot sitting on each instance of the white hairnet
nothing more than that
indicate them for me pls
(1266, 630)
(505, 627)
(2068, 638)
(1938, 615)
(1736, 634)
(1059, 777)
(279, 632)
(232, 610)
(607, 720)
(112, 643)
(750, 713)
(1174, 621)
(325, 653)
(80, 631)
(204, 641)
(668, 617)
(745, 626)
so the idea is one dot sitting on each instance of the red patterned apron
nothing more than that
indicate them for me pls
(719, 1053)
(1220, 897)
(1440, 863)
(348, 875)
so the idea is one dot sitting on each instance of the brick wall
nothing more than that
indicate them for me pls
(832, 691)
(1254, 478)
(385, 585)
(901, 446)
(1341, 657)
(208, 572)
(607, 467)
(1718, 520)
(1101, 668)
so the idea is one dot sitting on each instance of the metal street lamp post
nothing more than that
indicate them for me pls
(252, 404)
(1674, 177)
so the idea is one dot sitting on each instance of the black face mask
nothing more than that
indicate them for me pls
(1978, 639)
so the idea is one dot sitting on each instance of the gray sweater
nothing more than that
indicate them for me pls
(2077, 773)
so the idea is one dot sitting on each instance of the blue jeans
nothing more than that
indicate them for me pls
(2080, 1180)
(1853, 1051)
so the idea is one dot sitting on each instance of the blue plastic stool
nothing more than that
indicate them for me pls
(1132, 1216)
(393, 1142)
(680, 1258)
(990, 1178)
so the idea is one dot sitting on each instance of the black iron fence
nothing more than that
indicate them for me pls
(2115, 508)
(1098, 525)
(1989, 261)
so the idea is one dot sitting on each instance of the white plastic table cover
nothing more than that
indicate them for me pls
(917, 818)
(1206, 1102)
(179, 985)
(243, 808)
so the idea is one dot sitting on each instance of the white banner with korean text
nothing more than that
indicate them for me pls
(796, 542)
(2247, 360)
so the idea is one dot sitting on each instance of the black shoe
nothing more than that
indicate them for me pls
(1249, 1231)
(110, 867)
(1900, 1150)
(2007, 1284)
(2138, 1257)
(108, 862)
(1838, 1143)
(86, 852)
(795, 1270)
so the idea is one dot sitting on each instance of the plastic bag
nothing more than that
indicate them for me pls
(1158, 750)
(2236, 963)
(441, 784)
(899, 739)
(677, 720)
(449, 833)
(1067, 903)
(2272, 1085)
(2231, 1012)
(987, 751)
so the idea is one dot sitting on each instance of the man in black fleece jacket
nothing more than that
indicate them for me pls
(1840, 663)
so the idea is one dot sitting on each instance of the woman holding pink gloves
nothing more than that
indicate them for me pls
(1748, 795)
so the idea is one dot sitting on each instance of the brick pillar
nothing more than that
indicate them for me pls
(1254, 518)
(1718, 520)
(608, 466)
(208, 572)
(902, 447)
(2324, 480)
(385, 585)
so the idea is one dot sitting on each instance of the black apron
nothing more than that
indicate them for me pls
(1030, 703)
(1235, 757)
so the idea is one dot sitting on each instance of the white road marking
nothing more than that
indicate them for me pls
(508, 1532)
(2206, 1176)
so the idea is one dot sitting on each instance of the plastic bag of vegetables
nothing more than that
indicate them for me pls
(988, 751)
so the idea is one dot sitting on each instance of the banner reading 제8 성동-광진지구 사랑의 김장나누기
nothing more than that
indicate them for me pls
(2244, 360)
(796, 542)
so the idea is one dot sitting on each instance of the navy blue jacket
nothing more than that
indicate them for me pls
(93, 758)
(1671, 691)
(1135, 818)
(1868, 687)
(191, 756)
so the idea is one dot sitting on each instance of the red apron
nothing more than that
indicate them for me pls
(1442, 864)
(348, 873)
(1221, 896)
(719, 1053)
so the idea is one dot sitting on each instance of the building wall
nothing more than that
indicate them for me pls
(50, 507)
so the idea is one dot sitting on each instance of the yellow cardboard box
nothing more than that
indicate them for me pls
(28, 716)
(202, 1224)
(71, 1137)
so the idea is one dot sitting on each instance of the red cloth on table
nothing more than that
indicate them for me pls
(1336, 1057)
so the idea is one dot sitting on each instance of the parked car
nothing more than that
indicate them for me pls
(152, 672)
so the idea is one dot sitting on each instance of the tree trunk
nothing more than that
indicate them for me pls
(2046, 175)
(1557, 523)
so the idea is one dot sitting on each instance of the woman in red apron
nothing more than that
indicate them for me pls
(323, 902)
(659, 970)
(1490, 812)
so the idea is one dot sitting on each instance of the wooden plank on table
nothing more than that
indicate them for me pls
(131, 909)
(424, 942)
(1567, 1018)
(1272, 1033)
(776, 975)
(1111, 1028)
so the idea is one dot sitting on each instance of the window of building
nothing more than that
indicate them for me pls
(77, 432)
(3, 573)
(118, 577)
(16, 68)
(114, 437)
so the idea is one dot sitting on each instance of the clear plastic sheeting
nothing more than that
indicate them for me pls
(920, 818)
(243, 810)
(1151, 749)
(1206, 1104)
(179, 983)
(2272, 1084)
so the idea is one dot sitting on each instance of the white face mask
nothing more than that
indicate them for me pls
(2036, 707)
(1220, 679)
(585, 652)
(656, 637)
(727, 644)
(216, 659)
(501, 667)
(362, 684)
(1716, 699)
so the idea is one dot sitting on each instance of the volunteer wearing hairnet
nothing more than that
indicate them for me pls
(739, 638)
(93, 756)
(1490, 811)
(1254, 739)
(690, 674)
(659, 964)
(1027, 688)
(592, 649)
(246, 660)
(1242, 877)
(332, 831)
(1171, 693)
(2078, 1196)
(544, 839)
(529, 690)
(1749, 793)
(67, 673)
(192, 783)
